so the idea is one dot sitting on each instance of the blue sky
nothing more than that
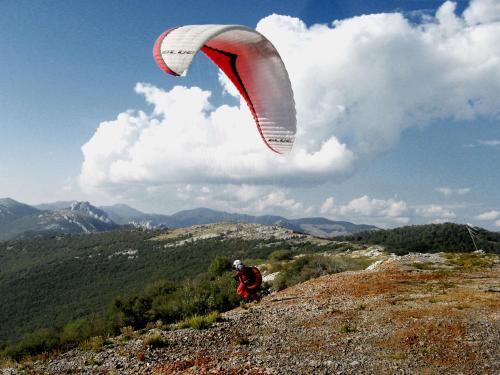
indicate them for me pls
(67, 67)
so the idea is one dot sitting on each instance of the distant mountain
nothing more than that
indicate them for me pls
(54, 206)
(316, 226)
(15, 217)
(20, 220)
(11, 209)
(122, 213)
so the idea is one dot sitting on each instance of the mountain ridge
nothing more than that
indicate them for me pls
(83, 217)
(20, 220)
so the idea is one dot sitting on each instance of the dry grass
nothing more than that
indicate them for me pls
(95, 344)
(6, 362)
(440, 342)
(201, 322)
(155, 341)
(470, 261)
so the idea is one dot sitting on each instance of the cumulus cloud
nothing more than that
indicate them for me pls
(481, 11)
(186, 140)
(358, 84)
(497, 223)
(490, 215)
(435, 211)
(368, 209)
(277, 200)
(448, 192)
(328, 206)
(366, 206)
(490, 142)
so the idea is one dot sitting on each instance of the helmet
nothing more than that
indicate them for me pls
(237, 264)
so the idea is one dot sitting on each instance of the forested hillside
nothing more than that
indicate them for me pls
(430, 238)
(48, 281)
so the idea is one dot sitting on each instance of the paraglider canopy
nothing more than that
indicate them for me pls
(252, 64)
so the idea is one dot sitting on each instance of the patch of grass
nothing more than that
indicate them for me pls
(462, 306)
(201, 321)
(95, 344)
(155, 341)
(443, 272)
(442, 341)
(243, 305)
(311, 266)
(6, 362)
(241, 340)
(425, 266)
(128, 332)
(398, 355)
(347, 328)
(469, 261)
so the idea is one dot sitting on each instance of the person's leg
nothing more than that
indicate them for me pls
(243, 291)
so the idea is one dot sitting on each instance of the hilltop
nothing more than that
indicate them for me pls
(430, 237)
(418, 313)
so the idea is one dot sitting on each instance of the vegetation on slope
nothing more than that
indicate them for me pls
(430, 238)
(194, 303)
(60, 291)
(48, 281)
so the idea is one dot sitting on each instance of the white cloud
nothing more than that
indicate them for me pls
(481, 11)
(379, 212)
(497, 223)
(446, 191)
(435, 211)
(358, 84)
(490, 215)
(490, 142)
(184, 141)
(277, 199)
(328, 206)
(365, 206)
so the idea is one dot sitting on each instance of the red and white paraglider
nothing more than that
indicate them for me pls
(252, 64)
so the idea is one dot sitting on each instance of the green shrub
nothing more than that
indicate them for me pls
(279, 255)
(127, 332)
(219, 266)
(155, 341)
(42, 340)
(469, 261)
(201, 322)
(312, 266)
(75, 332)
(94, 343)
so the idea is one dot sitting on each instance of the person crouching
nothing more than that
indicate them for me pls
(250, 280)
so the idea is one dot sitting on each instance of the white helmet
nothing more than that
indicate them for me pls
(238, 264)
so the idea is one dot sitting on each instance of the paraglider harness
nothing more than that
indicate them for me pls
(250, 280)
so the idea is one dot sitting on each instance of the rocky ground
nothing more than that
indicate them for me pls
(416, 314)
